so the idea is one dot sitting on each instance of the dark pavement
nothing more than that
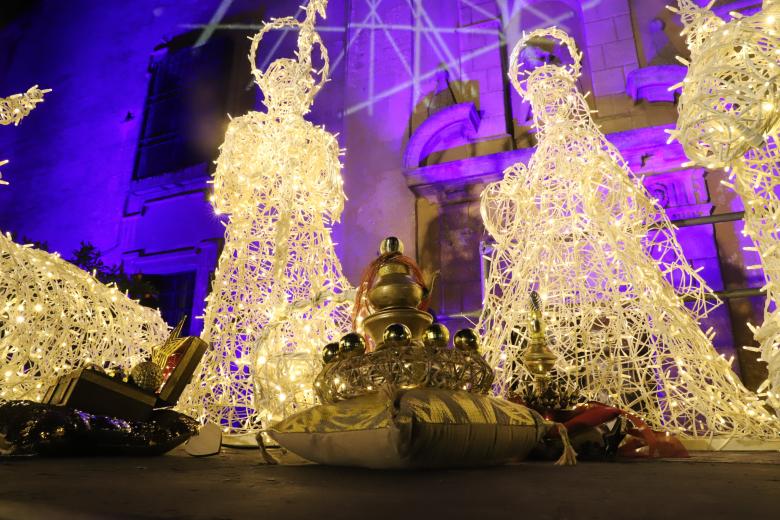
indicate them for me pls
(237, 485)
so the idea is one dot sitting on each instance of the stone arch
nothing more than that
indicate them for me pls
(450, 127)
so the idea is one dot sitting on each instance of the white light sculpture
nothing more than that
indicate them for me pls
(730, 118)
(16, 107)
(576, 226)
(279, 294)
(55, 317)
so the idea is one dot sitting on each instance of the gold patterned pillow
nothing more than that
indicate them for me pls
(417, 428)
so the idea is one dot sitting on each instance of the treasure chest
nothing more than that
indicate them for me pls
(90, 390)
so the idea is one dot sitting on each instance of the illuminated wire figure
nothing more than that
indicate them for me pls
(730, 118)
(55, 317)
(16, 107)
(577, 227)
(279, 294)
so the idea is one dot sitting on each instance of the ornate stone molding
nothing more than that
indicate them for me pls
(644, 149)
(450, 127)
(652, 83)
(682, 193)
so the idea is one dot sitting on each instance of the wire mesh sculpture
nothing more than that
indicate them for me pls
(730, 118)
(577, 227)
(55, 317)
(16, 107)
(279, 293)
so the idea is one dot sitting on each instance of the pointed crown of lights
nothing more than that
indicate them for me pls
(288, 84)
(698, 22)
(18, 106)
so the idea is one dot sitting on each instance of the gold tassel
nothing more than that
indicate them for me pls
(267, 457)
(569, 456)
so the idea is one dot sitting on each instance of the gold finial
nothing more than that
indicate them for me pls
(391, 245)
(539, 359)
(537, 324)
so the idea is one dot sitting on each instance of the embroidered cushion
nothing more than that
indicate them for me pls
(420, 428)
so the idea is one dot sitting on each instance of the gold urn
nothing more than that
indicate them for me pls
(404, 349)
(395, 296)
(395, 288)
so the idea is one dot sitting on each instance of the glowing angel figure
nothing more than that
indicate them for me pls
(576, 226)
(55, 317)
(15, 108)
(279, 291)
(730, 118)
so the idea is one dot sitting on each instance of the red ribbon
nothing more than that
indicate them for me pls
(642, 441)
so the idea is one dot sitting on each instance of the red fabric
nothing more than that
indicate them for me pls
(665, 445)
(641, 441)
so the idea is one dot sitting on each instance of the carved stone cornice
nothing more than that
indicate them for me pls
(644, 149)
(682, 193)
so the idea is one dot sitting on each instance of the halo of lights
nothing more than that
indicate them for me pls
(579, 228)
(730, 117)
(279, 294)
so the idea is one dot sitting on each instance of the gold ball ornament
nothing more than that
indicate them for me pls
(466, 340)
(436, 336)
(147, 376)
(329, 352)
(396, 334)
(391, 245)
(352, 344)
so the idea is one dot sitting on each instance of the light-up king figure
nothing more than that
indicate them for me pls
(730, 118)
(279, 293)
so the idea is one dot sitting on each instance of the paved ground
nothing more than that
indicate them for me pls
(236, 485)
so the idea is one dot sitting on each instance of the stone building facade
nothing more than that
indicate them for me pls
(119, 154)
